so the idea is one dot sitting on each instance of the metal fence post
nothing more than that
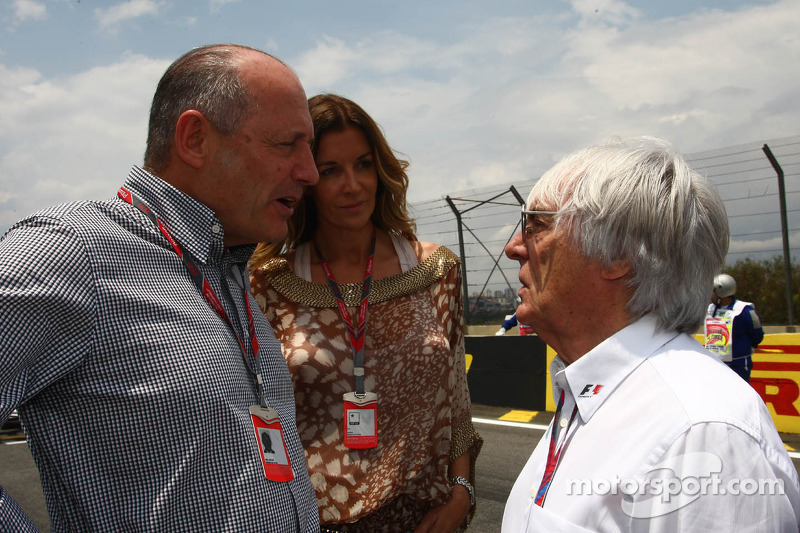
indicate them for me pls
(787, 261)
(465, 286)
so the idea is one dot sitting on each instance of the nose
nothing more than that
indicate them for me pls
(516, 249)
(305, 171)
(350, 182)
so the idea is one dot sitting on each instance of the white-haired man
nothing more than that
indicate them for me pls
(620, 244)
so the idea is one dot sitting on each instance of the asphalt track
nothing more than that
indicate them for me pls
(509, 437)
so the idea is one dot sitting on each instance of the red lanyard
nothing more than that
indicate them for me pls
(356, 335)
(553, 455)
(202, 284)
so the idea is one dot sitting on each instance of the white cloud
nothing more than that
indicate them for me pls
(711, 67)
(615, 12)
(271, 46)
(767, 246)
(110, 17)
(217, 4)
(679, 118)
(514, 94)
(483, 101)
(452, 108)
(386, 54)
(327, 63)
(72, 138)
(504, 232)
(28, 10)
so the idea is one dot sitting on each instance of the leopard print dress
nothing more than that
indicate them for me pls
(414, 361)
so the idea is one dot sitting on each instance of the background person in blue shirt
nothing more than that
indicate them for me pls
(511, 322)
(746, 332)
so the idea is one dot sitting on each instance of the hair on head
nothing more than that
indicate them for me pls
(637, 199)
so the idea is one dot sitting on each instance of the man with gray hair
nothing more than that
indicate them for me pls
(619, 247)
(143, 371)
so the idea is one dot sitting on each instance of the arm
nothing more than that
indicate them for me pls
(511, 322)
(45, 322)
(462, 468)
(453, 514)
(466, 442)
(754, 329)
(507, 325)
(12, 518)
(745, 483)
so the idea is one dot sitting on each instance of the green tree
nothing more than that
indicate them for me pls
(764, 284)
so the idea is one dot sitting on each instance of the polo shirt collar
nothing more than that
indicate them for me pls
(190, 222)
(594, 377)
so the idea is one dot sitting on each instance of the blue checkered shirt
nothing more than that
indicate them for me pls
(132, 391)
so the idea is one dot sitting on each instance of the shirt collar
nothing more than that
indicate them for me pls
(190, 222)
(592, 378)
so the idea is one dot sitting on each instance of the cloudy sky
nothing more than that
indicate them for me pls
(473, 92)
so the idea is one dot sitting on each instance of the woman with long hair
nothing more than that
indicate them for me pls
(370, 321)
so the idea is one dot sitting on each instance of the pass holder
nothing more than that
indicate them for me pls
(266, 422)
(719, 336)
(360, 420)
(271, 445)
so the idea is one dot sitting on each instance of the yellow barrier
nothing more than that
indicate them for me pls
(775, 376)
(549, 401)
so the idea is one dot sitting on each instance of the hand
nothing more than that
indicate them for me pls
(449, 517)
(501, 331)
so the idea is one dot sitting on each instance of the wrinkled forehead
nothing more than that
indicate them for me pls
(533, 202)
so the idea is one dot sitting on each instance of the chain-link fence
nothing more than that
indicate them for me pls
(487, 218)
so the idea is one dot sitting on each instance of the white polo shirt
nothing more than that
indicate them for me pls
(666, 438)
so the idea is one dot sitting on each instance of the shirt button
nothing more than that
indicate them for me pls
(533, 493)
(215, 229)
(563, 423)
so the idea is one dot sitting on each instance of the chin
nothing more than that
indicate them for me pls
(523, 317)
(275, 230)
(275, 237)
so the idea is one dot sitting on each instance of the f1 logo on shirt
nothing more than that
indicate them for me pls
(590, 390)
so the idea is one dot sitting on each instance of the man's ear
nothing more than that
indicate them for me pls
(192, 138)
(619, 269)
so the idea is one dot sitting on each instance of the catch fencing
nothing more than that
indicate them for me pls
(477, 224)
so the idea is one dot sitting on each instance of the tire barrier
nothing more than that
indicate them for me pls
(507, 371)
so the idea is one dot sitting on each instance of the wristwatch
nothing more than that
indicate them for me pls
(464, 482)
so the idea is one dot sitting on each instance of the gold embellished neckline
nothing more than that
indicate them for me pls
(277, 272)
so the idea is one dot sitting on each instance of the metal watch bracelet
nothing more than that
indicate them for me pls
(464, 482)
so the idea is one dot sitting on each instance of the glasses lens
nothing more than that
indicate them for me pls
(524, 226)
